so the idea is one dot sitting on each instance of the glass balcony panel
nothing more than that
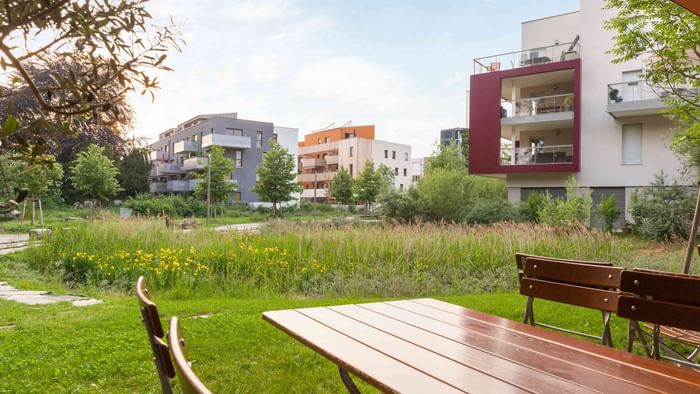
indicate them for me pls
(538, 105)
(546, 154)
(527, 57)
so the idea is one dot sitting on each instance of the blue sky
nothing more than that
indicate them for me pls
(401, 65)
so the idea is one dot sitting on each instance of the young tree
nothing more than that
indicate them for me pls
(385, 178)
(277, 180)
(134, 169)
(95, 175)
(341, 186)
(668, 35)
(221, 169)
(366, 187)
(446, 157)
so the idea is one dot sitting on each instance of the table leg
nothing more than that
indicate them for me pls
(347, 381)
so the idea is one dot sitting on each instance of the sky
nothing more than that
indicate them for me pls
(403, 66)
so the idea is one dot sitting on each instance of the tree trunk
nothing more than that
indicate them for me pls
(274, 209)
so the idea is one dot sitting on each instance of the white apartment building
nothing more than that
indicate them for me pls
(559, 106)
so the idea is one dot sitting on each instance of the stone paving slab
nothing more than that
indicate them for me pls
(39, 297)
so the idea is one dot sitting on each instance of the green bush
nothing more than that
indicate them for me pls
(535, 202)
(490, 211)
(403, 207)
(575, 209)
(662, 211)
(609, 211)
(146, 204)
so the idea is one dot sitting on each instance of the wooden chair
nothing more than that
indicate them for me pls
(189, 382)
(156, 336)
(670, 303)
(587, 284)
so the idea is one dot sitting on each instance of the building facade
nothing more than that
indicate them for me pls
(322, 153)
(455, 135)
(560, 107)
(181, 152)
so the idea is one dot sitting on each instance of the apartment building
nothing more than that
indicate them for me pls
(559, 106)
(182, 151)
(322, 153)
(454, 135)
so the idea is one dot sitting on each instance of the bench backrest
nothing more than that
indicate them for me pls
(189, 382)
(156, 336)
(660, 298)
(520, 259)
(587, 285)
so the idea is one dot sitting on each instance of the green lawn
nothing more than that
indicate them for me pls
(103, 348)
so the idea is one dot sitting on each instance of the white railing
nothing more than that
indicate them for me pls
(307, 162)
(195, 163)
(331, 159)
(158, 155)
(527, 57)
(319, 177)
(538, 105)
(548, 154)
(315, 148)
(158, 187)
(185, 146)
(227, 141)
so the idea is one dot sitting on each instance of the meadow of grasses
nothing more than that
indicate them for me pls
(324, 259)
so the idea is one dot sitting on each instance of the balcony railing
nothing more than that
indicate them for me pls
(527, 57)
(158, 155)
(319, 177)
(185, 146)
(158, 187)
(195, 163)
(312, 162)
(226, 141)
(539, 105)
(630, 91)
(547, 154)
(168, 169)
(331, 159)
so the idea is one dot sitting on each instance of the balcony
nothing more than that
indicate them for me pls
(319, 177)
(312, 162)
(317, 148)
(528, 57)
(226, 141)
(634, 98)
(185, 146)
(545, 109)
(158, 187)
(168, 169)
(330, 160)
(319, 193)
(158, 155)
(195, 163)
(544, 154)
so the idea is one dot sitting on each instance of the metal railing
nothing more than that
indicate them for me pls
(633, 91)
(195, 163)
(547, 154)
(185, 146)
(539, 105)
(527, 57)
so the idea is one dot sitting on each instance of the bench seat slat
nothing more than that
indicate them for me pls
(574, 273)
(662, 286)
(659, 312)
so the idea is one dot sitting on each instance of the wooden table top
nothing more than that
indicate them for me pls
(430, 346)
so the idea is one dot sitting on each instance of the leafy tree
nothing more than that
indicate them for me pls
(404, 207)
(367, 186)
(341, 186)
(385, 178)
(95, 175)
(609, 211)
(276, 176)
(134, 169)
(42, 180)
(447, 157)
(575, 209)
(110, 48)
(667, 35)
(446, 192)
(221, 169)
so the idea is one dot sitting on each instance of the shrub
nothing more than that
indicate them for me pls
(146, 204)
(609, 211)
(403, 207)
(535, 202)
(490, 211)
(662, 211)
(575, 209)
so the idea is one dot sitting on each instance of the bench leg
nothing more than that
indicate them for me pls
(635, 330)
(347, 381)
(606, 338)
(529, 317)
(655, 342)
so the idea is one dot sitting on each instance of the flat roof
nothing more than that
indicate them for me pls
(551, 16)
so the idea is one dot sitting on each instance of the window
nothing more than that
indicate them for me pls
(415, 178)
(386, 154)
(194, 138)
(239, 159)
(351, 151)
(401, 187)
(259, 140)
(632, 144)
(351, 170)
(405, 172)
(230, 131)
(396, 171)
(393, 154)
(405, 156)
(326, 140)
(319, 141)
(274, 137)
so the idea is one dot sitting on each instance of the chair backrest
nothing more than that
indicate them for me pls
(660, 297)
(154, 330)
(588, 285)
(189, 382)
(520, 259)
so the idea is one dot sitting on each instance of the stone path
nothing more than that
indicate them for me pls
(40, 297)
(239, 227)
(10, 243)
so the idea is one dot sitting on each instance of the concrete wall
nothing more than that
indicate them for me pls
(402, 161)
(550, 30)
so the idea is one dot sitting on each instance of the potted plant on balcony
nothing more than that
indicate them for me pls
(568, 103)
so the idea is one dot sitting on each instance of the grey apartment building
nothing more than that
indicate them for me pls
(454, 135)
(182, 151)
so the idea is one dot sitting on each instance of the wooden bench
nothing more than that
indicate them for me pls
(670, 303)
(188, 380)
(587, 284)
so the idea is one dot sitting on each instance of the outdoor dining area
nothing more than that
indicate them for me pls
(431, 346)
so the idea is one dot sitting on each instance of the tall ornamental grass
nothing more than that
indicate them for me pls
(311, 260)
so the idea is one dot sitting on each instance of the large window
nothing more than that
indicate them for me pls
(386, 154)
(632, 144)
(239, 159)
(230, 131)
(405, 172)
(393, 154)
(351, 151)
(405, 156)
(259, 140)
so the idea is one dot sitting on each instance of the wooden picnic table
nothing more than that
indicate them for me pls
(430, 346)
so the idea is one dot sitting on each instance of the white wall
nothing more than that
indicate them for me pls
(549, 30)
(288, 137)
(401, 162)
